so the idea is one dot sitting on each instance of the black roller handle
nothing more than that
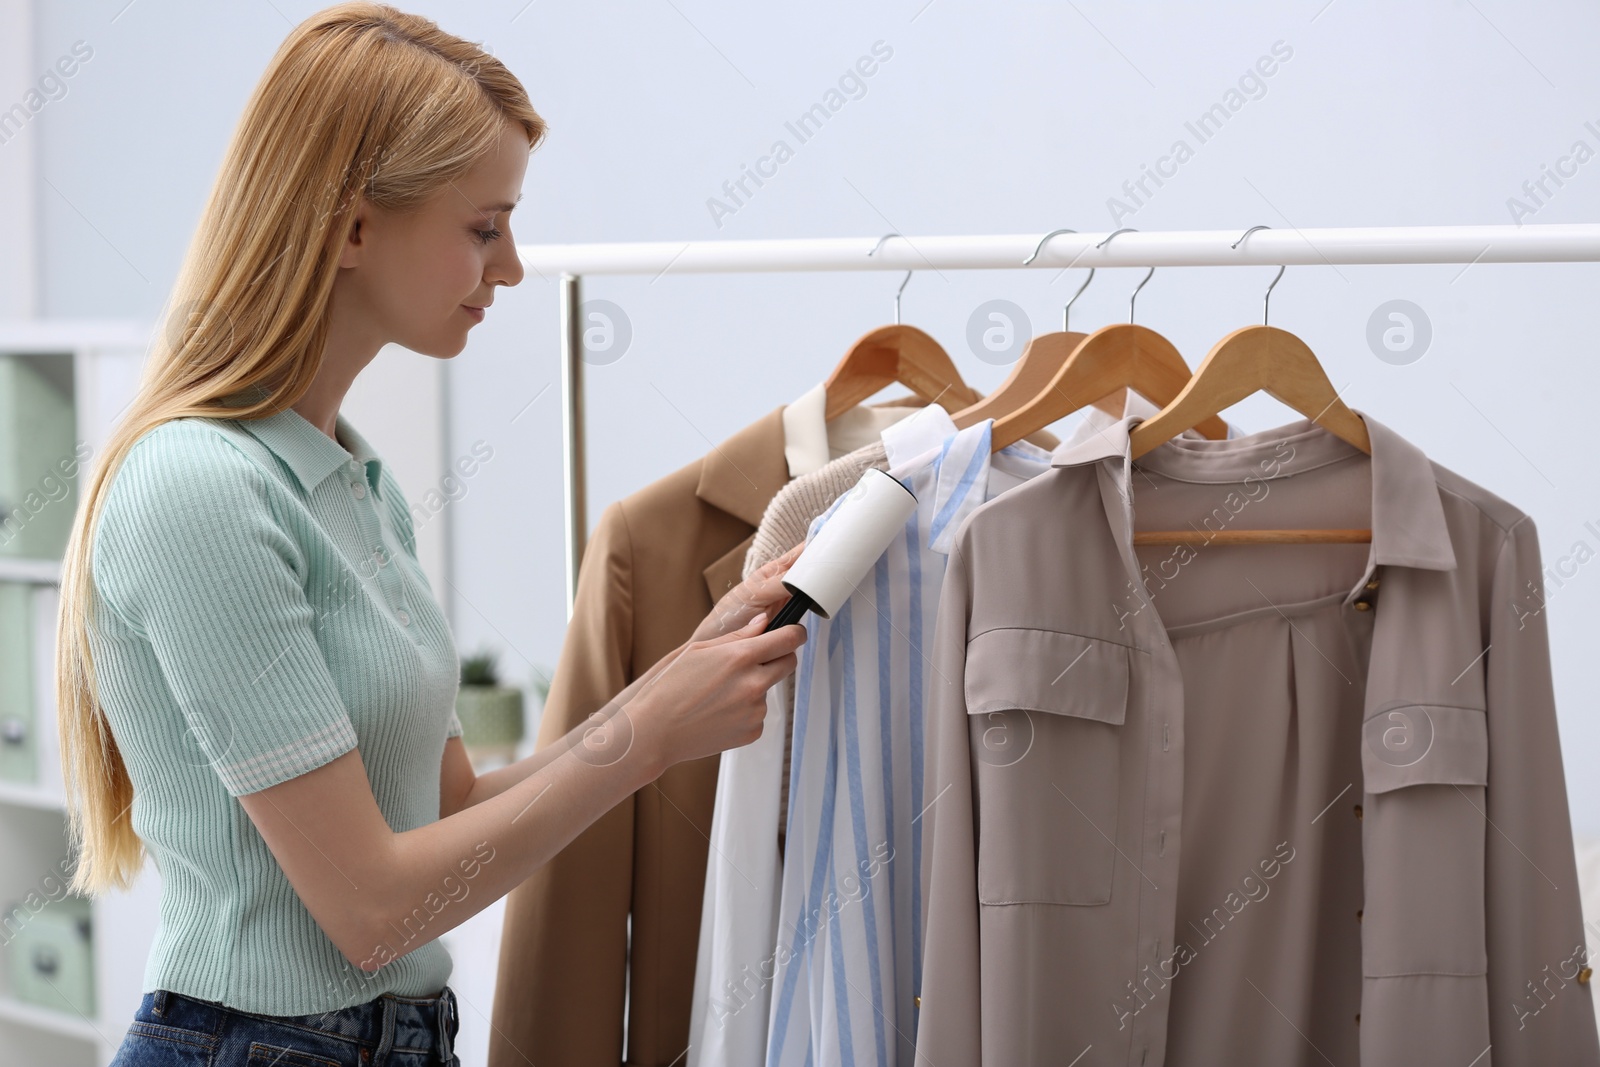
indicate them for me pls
(793, 610)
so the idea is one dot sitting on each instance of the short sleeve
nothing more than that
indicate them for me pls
(455, 726)
(188, 550)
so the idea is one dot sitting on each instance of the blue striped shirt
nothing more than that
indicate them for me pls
(848, 953)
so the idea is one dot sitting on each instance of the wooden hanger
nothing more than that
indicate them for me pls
(1113, 358)
(891, 354)
(1247, 361)
(1030, 375)
(1032, 372)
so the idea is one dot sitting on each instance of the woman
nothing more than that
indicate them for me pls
(256, 683)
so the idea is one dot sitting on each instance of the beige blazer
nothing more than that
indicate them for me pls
(1395, 881)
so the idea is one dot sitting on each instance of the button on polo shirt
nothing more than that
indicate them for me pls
(258, 612)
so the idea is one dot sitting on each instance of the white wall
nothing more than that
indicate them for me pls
(21, 96)
(398, 403)
(1026, 117)
(1011, 118)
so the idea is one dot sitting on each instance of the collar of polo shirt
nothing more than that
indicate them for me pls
(311, 454)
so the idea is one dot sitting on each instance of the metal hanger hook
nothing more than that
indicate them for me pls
(1135, 295)
(1141, 285)
(1247, 233)
(1066, 312)
(902, 288)
(1266, 301)
(1042, 240)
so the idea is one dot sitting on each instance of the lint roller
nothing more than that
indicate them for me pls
(833, 562)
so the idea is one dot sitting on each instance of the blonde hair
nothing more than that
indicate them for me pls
(361, 100)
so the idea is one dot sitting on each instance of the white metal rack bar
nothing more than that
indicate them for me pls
(1574, 243)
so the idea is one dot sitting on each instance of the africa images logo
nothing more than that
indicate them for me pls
(1400, 736)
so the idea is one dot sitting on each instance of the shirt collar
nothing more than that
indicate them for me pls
(1095, 421)
(311, 454)
(1408, 525)
(931, 426)
(923, 430)
(811, 441)
(805, 431)
(960, 462)
(961, 458)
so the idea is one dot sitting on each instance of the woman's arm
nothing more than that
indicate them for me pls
(461, 787)
(378, 894)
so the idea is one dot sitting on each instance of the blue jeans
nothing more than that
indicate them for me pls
(171, 1030)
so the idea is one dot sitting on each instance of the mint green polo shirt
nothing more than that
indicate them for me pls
(266, 614)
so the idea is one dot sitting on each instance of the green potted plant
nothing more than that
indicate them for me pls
(490, 713)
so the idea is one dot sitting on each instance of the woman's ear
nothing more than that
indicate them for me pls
(350, 253)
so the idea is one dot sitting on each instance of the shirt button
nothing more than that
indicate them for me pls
(379, 556)
(405, 619)
(359, 490)
(1358, 914)
(1372, 585)
(1584, 975)
(1358, 811)
(1363, 605)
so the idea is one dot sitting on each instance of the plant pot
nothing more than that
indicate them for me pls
(491, 722)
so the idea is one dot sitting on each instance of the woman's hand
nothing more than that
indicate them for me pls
(712, 696)
(763, 591)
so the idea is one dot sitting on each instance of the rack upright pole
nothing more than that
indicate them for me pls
(573, 495)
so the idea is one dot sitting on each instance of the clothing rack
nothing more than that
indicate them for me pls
(1571, 243)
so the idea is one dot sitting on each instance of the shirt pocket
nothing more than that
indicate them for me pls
(1426, 770)
(1044, 714)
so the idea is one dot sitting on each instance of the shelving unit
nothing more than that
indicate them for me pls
(98, 364)
(29, 796)
(41, 571)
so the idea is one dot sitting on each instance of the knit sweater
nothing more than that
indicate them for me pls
(258, 611)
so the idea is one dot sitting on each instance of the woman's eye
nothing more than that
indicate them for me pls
(488, 235)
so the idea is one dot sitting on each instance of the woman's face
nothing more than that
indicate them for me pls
(409, 278)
